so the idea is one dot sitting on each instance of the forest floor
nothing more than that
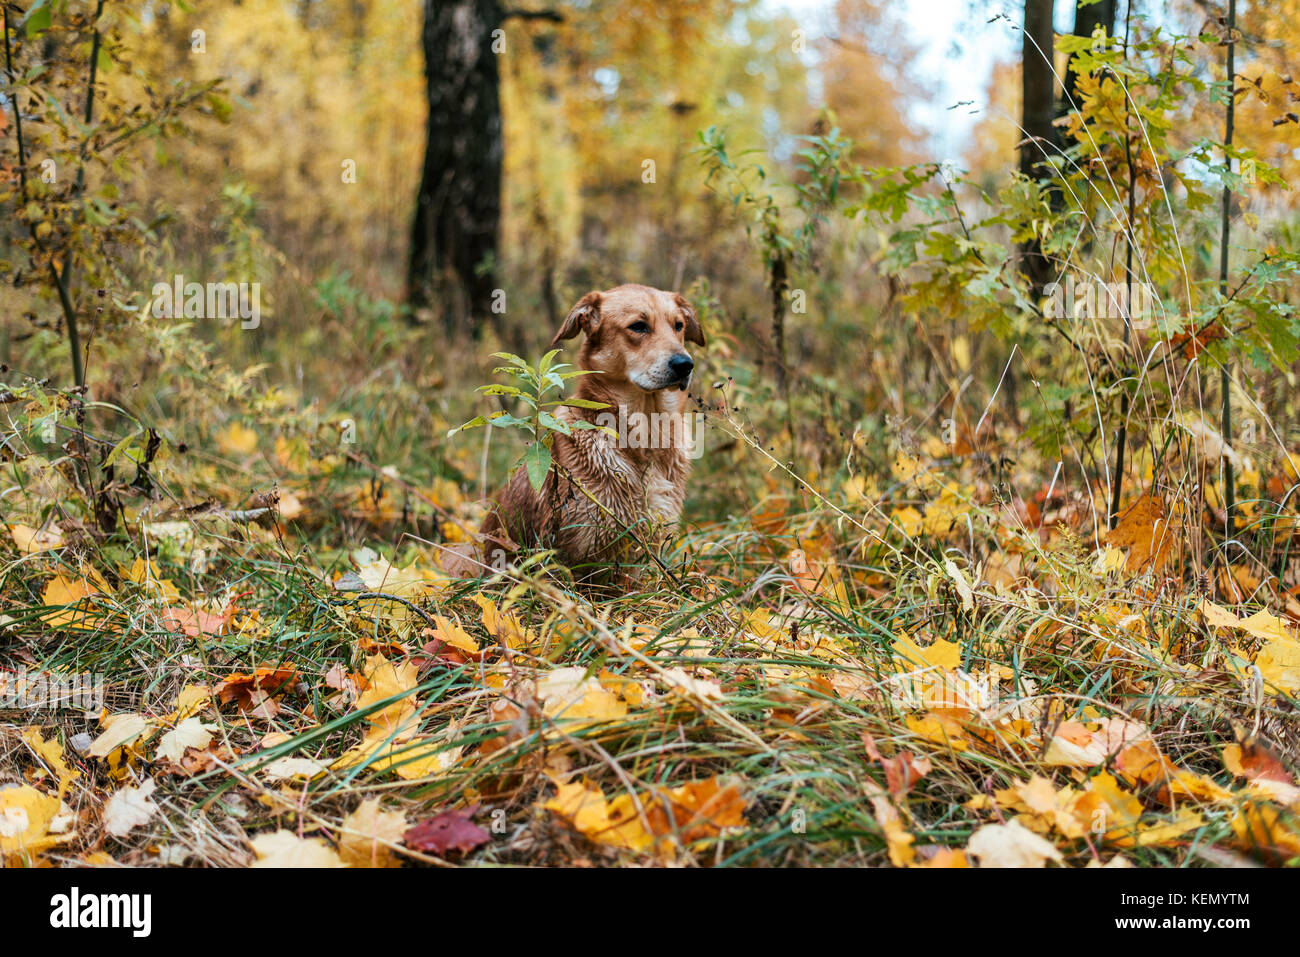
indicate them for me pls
(906, 672)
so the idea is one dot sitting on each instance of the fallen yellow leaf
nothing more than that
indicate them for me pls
(286, 849)
(25, 816)
(51, 752)
(368, 833)
(30, 540)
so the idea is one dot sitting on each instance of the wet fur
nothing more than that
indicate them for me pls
(640, 491)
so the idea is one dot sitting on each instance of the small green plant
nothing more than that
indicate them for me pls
(77, 140)
(535, 385)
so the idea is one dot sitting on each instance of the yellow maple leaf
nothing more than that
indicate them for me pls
(941, 654)
(190, 733)
(1279, 663)
(30, 540)
(385, 680)
(1109, 559)
(569, 694)
(582, 804)
(860, 490)
(1216, 616)
(286, 849)
(765, 630)
(1267, 626)
(1279, 658)
(389, 740)
(942, 727)
(629, 689)
(1109, 809)
(692, 688)
(381, 575)
(51, 753)
(455, 533)
(504, 626)
(585, 807)
(909, 468)
(292, 768)
(946, 857)
(25, 816)
(368, 834)
(424, 757)
(700, 809)
(597, 706)
(944, 513)
(1186, 784)
(144, 574)
(1038, 795)
(454, 635)
(75, 594)
(190, 701)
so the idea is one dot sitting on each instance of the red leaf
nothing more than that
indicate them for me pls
(449, 831)
(438, 652)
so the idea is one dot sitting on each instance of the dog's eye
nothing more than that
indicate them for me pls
(680, 326)
(639, 327)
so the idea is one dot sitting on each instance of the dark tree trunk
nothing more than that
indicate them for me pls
(454, 235)
(1086, 19)
(1039, 110)
(1038, 85)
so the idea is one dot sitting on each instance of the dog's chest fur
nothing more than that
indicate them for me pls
(635, 492)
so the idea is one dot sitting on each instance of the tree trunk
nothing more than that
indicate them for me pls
(1039, 110)
(1086, 19)
(454, 234)
(1038, 85)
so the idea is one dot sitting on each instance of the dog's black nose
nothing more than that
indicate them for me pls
(681, 365)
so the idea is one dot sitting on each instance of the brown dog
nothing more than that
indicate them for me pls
(607, 497)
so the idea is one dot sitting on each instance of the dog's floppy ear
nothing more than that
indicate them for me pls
(694, 333)
(583, 317)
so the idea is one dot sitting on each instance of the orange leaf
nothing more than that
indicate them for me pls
(194, 622)
(901, 771)
(1145, 531)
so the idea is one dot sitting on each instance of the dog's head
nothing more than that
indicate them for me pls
(635, 334)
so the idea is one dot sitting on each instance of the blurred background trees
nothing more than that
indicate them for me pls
(477, 166)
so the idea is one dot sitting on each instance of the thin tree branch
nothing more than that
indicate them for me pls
(65, 278)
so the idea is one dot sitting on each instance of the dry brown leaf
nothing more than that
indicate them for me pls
(1144, 529)
(252, 692)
